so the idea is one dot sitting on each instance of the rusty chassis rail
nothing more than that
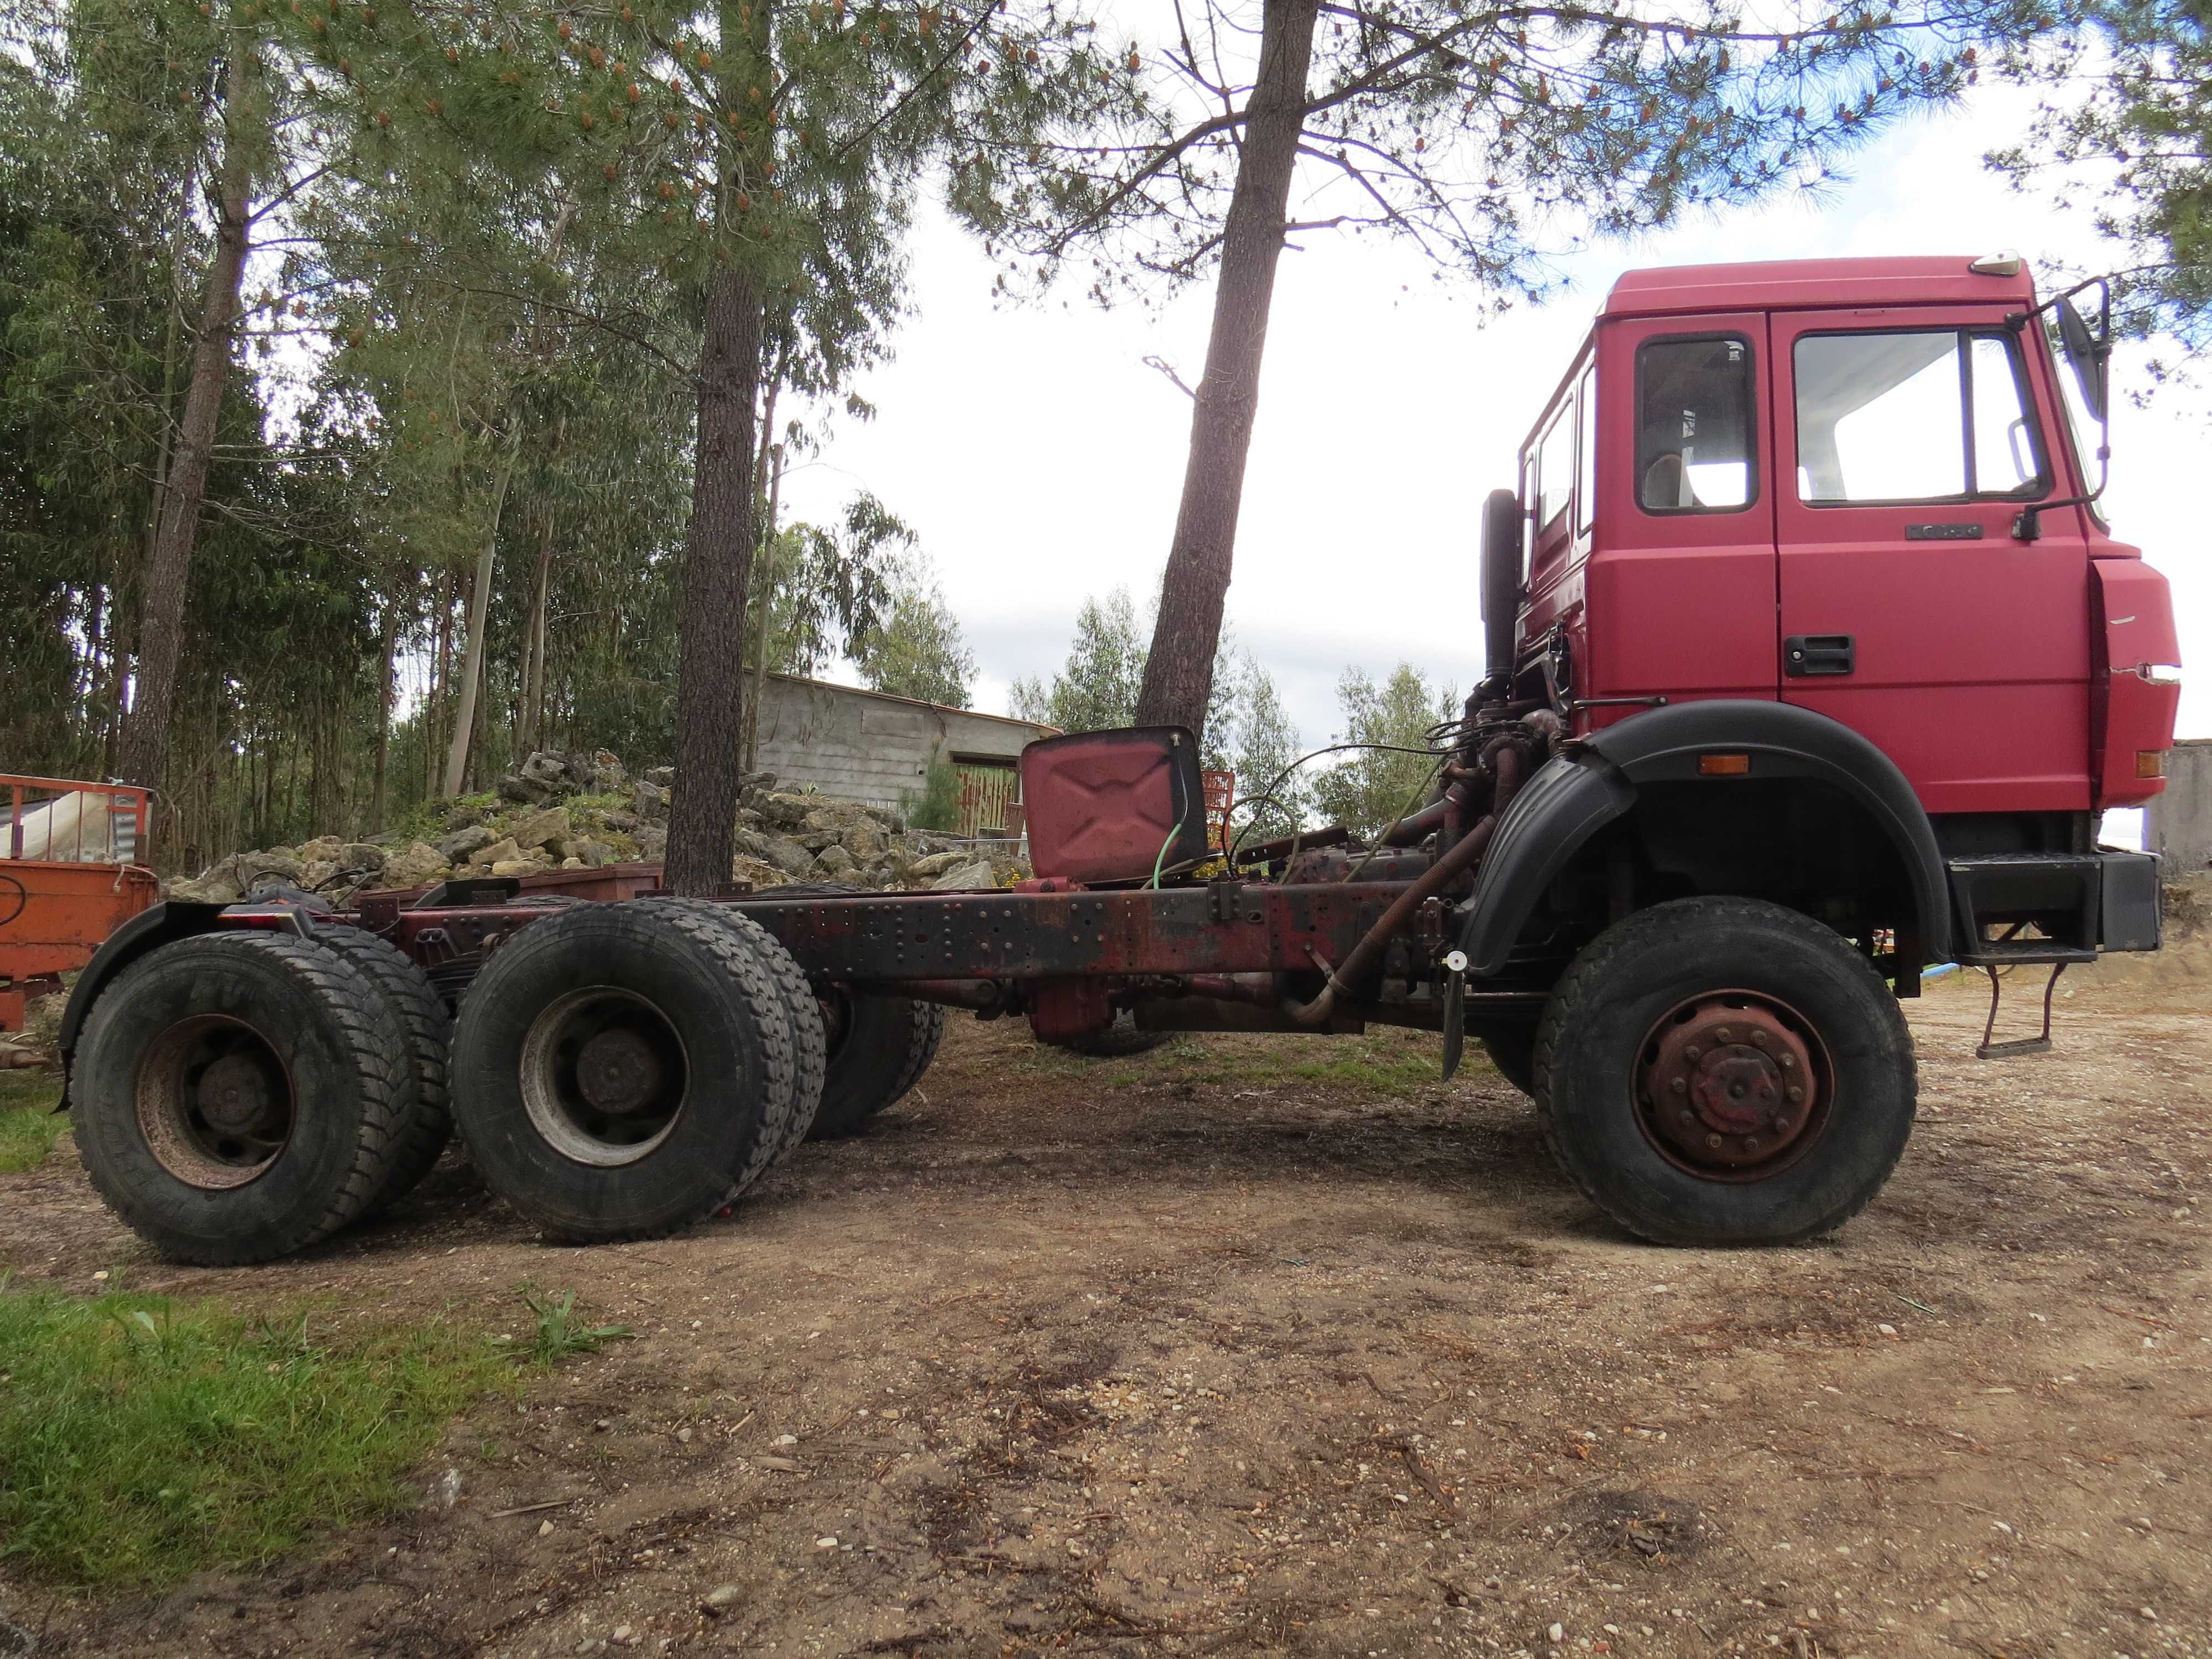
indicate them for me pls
(967, 949)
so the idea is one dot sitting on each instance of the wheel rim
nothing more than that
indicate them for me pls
(604, 1076)
(216, 1102)
(1733, 1085)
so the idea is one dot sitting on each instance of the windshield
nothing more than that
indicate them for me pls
(2083, 428)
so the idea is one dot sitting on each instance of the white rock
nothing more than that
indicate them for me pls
(1556, 1633)
(825, 1542)
(544, 1529)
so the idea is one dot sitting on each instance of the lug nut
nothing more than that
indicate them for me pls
(1690, 1052)
(1679, 1085)
(1760, 1038)
(1787, 1059)
(1751, 1143)
(1795, 1094)
(1713, 1141)
(1689, 1117)
(1721, 1034)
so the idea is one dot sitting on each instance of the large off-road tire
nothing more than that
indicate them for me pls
(427, 1123)
(878, 1046)
(622, 1070)
(1512, 1052)
(239, 1096)
(809, 1042)
(1723, 1071)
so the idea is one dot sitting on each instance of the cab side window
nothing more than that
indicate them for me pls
(1696, 425)
(1923, 415)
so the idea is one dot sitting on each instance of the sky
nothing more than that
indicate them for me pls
(1040, 460)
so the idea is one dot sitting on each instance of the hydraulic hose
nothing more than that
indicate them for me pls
(1505, 762)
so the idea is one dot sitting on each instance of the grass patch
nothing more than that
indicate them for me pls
(145, 1438)
(28, 1126)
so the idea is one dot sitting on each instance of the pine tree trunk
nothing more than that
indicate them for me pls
(146, 735)
(1179, 671)
(710, 680)
(767, 599)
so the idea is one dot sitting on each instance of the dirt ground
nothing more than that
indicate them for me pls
(1255, 1347)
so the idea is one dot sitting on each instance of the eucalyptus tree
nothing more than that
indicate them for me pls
(759, 166)
(1484, 134)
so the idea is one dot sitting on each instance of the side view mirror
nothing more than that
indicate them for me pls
(2089, 349)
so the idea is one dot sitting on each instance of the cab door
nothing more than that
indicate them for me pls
(1681, 595)
(1907, 441)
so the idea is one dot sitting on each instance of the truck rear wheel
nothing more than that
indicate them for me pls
(622, 1070)
(809, 1042)
(1723, 1071)
(427, 1124)
(877, 1047)
(239, 1096)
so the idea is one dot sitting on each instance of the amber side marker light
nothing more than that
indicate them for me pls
(1723, 766)
(2150, 763)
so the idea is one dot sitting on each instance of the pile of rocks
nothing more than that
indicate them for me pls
(579, 811)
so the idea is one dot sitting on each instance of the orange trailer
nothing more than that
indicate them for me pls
(71, 872)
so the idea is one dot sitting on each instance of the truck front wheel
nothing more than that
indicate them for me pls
(1723, 1071)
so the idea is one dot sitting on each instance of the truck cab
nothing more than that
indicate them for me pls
(1863, 490)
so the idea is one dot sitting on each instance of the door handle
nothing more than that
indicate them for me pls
(1808, 654)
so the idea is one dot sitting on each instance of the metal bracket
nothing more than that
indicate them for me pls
(2014, 1050)
(1454, 964)
(1223, 896)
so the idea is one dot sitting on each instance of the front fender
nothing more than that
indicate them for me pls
(1570, 799)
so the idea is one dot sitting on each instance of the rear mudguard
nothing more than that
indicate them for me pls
(1596, 780)
(148, 931)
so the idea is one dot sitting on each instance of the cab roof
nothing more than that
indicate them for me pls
(1805, 285)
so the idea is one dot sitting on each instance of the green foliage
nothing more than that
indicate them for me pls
(2126, 123)
(938, 804)
(916, 650)
(1482, 134)
(29, 1126)
(1258, 740)
(146, 1438)
(1097, 689)
(559, 1334)
(1368, 789)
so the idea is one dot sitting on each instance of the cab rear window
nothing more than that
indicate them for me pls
(1696, 425)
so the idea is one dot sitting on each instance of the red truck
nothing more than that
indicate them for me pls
(1811, 663)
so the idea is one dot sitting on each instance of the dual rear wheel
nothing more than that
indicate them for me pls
(239, 1096)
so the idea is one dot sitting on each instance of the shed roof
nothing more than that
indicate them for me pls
(914, 702)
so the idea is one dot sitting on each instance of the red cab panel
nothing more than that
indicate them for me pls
(1907, 439)
(2139, 692)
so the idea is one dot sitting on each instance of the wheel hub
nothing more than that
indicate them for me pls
(618, 1072)
(237, 1095)
(1728, 1084)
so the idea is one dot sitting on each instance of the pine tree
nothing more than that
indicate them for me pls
(1485, 136)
